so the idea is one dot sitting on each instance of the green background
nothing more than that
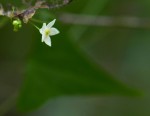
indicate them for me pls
(89, 70)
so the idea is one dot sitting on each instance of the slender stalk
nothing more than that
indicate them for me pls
(34, 25)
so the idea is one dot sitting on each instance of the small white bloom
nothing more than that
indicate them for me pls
(47, 31)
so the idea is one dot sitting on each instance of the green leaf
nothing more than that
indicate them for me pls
(64, 70)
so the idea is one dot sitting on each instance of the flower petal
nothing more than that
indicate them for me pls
(43, 37)
(47, 40)
(43, 28)
(54, 31)
(51, 23)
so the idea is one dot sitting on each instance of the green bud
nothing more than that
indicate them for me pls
(19, 21)
(17, 24)
(20, 26)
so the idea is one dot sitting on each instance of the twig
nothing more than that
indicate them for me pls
(89, 20)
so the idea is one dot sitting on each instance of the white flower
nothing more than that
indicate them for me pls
(47, 31)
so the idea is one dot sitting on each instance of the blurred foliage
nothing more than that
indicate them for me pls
(65, 69)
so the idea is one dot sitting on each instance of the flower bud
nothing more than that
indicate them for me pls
(17, 24)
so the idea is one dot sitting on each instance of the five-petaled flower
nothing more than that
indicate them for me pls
(47, 31)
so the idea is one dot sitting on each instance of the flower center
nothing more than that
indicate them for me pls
(47, 32)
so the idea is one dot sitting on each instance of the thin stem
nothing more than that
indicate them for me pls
(34, 25)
